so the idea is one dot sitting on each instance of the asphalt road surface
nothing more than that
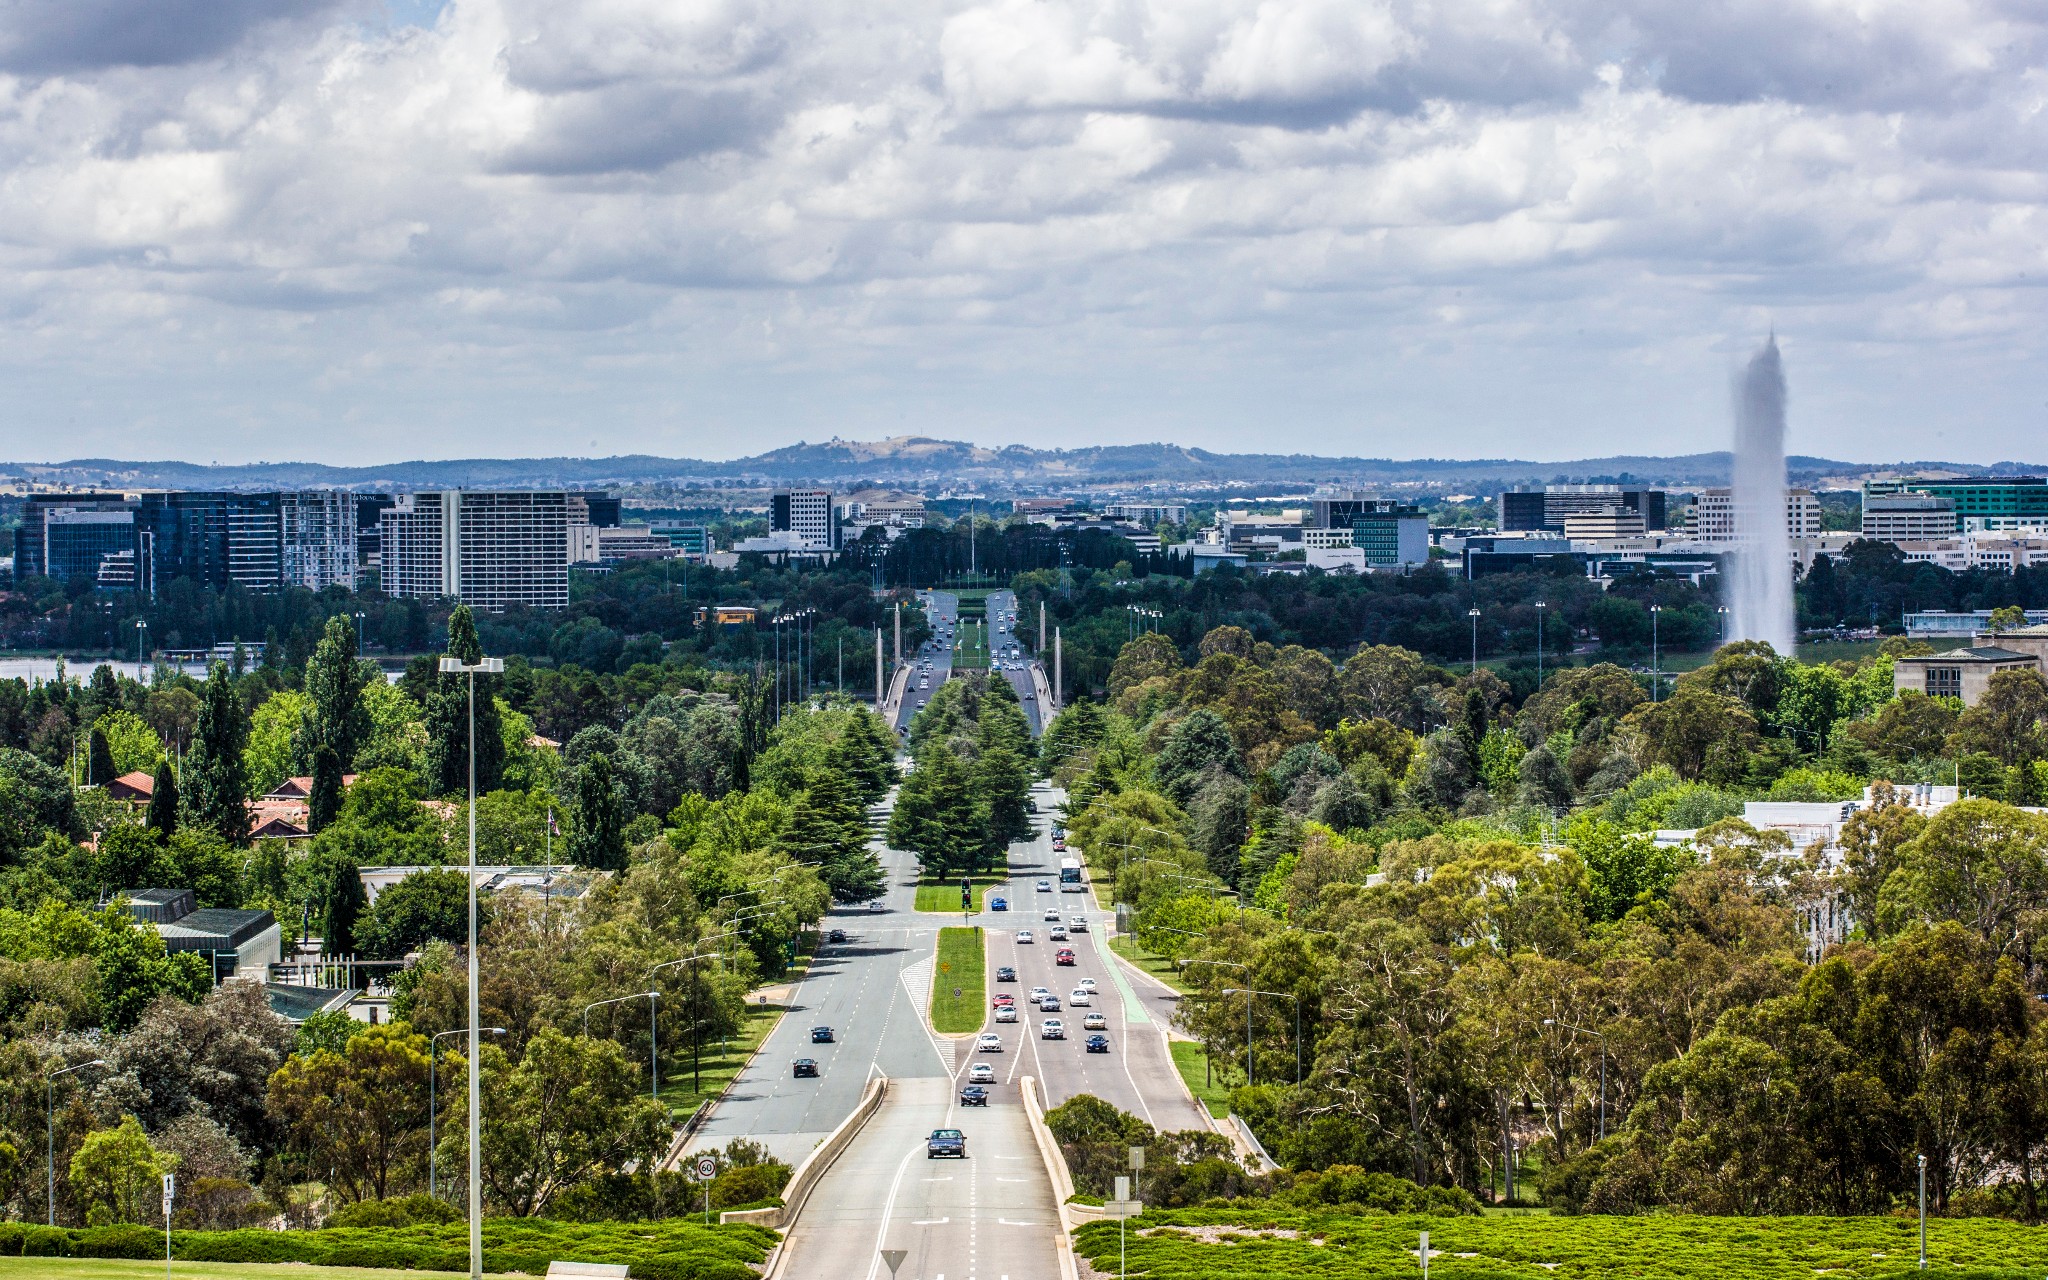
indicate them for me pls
(944, 612)
(1002, 633)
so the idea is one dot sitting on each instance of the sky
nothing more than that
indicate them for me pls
(359, 231)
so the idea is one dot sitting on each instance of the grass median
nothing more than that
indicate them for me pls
(722, 1060)
(1150, 961)
(942, 893)
(959, 985)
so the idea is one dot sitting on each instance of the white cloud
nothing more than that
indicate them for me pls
(1358, 225)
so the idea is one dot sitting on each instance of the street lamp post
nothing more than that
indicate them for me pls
(1249, 992)
(1539, 643)
(696, 1038)
(1473, 613)
(1231, 964)
(653, 1032)
(50, 1141)
(1656, 667)
(451, 665)
(141, 625)
(1553, 1022)
(433, 1106)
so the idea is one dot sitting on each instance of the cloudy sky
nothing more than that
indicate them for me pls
(379, 229)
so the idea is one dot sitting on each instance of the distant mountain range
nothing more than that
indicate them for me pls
(926, 464)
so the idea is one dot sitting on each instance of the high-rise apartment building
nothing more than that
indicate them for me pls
(1908, 517)
(1529, 512)
(808, 514)
(65, 535)
(1713, 516)
(257, 541)
(488, 550)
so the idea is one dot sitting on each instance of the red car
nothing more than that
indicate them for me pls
(1002, 998)
(1063, 956)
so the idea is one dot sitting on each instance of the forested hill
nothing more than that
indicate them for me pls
(922, 462)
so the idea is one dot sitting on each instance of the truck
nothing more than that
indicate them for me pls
(1070, 875)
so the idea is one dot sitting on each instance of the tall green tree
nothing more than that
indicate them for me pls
(448, 719)
(213, 770)
(99, 759)
(323, 803)
(334, 681)
(597, 830)
(341, 903)
(162, 817)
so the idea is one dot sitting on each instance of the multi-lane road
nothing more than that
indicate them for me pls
(1002, 634)
(932, 664)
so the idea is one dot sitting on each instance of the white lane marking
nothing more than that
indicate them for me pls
(889, 1207)
(929, 1222)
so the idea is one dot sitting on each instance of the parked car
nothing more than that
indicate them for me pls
(981, 1073)
(802, 1067)
(988, 1042)
(974, 1096)
(1004, 973)
(946, 1142)
(821, 1035)
(1097, 1044)
(1095, 1022)
(1052, 1029)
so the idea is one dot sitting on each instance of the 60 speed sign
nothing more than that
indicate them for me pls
(707, 1169)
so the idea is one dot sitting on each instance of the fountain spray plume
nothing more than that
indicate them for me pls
(1760, 586)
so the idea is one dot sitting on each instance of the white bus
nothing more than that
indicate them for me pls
(1070, 875)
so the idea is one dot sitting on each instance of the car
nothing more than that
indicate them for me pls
(1052, 1029)
(1059, 844)
(974, 1096)
(998, 904)
(1038, 993)
(837, 935)
(1051, 1004)
(1023, 936)
(1081, 996)
(1006, 1013)
(1097, 1044)
(946, 1142)
(1079, 924)
(988, 1042)
(1058, 933)
(1045, 886)
(1086, 983)
(1004, 973)
(1002, 998)
(1095, 1022)
(1063, 956)
(981, 1073)
(1052, 915)
(821, 1035)
(803, 1067)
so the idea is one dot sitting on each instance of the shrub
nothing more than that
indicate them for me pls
(406, 1211)
(125, 1241)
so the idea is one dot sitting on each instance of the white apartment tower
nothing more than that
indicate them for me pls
(808, 514)
(491, 551)
(1714, 515)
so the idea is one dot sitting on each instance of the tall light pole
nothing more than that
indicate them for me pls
(50, 1141)
(1656, 667)
(1473, 613)
(141, 625)
(696, 1040)
(653, 1033)
(433, 1107)
(1230, 964)
(451, 665)
(1249, 992)
(1539, 644)
(1553, 1022)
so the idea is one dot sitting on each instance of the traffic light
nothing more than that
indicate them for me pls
(966, 895)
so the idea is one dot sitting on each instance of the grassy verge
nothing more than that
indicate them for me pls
(1157, 965)
(721, 1060)
(943, 895)
(107, 1269)
(1193, 1066)
(1279, 1241)
(961, 968)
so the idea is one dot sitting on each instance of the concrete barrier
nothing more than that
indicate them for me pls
(814, 1165)
(1056, 1171)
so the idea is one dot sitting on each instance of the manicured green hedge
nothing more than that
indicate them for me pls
(669, 1250)
(1537, 1247)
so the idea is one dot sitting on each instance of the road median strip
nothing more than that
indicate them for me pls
(960, 981)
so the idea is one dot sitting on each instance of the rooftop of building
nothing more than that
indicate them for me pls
(1974, 653)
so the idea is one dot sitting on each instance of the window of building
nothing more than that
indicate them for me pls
(1944, 682)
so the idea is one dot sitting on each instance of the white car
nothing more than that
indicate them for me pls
(1052, 915)
(1052, 1029)
(1086, 984)
(989, 1042)
(1023, 935)
(1081, 995)
(1045, 886)
(1095, 1022)
(981, 1073)
(1058, 933)
(1079, 924)
(1006, 1013)
(1039, 993)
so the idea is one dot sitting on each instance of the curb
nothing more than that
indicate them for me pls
(1055, 1170)
(709, 1108)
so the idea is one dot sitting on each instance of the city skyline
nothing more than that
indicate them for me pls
(495, 227)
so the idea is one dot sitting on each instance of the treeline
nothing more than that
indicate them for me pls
(968, 795)
(721, 828)
(1460, 921)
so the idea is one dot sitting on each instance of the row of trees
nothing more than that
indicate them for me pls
(968, 795)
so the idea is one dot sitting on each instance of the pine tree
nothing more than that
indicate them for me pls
(324, 802)
(447, 719)
(342, 905)
(335, 684)
(597, 833)
(99, 760)
(213, 772)
(163, 802)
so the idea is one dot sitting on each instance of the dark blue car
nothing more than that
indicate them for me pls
(998, 904)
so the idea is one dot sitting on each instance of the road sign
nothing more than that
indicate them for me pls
(894, 1258)
(707, 1168)
(170, 1191)
(1123, 1208)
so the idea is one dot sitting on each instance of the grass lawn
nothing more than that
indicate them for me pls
(962, 967)
(1228, 1244)
(721, 1061)
(942, 894)
(1193, 1065)
(104, 1269)
(1157, 965)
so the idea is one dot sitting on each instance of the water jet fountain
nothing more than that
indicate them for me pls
(1760, 578)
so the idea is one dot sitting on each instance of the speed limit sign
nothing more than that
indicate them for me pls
(707, 1169)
